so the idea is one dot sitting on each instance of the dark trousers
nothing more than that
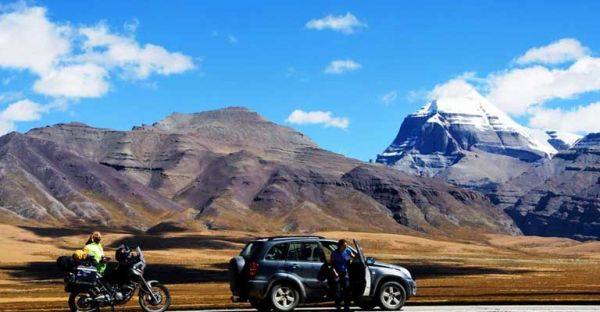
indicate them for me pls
(342, 292)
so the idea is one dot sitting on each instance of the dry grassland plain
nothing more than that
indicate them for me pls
(483, 269)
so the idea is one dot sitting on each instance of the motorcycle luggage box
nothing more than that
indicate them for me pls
(86, 276)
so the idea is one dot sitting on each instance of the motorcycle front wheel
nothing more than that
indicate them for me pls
(81, 302)
(161, 304)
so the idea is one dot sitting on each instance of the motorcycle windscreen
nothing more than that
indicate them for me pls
(362, 286)
(140, 254)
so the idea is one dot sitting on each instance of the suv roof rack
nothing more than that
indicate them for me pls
(292, 237)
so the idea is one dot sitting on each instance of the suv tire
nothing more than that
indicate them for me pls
(284, 297)
(391, 296)
(260, 305)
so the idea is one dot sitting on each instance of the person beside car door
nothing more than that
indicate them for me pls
(339, 260)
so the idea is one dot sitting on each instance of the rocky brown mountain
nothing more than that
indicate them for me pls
(223, 169)
(560, 197)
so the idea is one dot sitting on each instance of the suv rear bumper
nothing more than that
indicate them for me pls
(257, 289)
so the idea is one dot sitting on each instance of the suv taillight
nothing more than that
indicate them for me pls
(253, 269)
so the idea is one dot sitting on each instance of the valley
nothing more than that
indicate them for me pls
(485, 269)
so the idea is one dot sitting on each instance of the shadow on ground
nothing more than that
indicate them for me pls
(178, 274)
(152, 242)
(429, 270)
(148, 241)
(165, 273)
(73, 231)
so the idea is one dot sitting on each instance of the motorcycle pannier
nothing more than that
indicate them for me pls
(86, 276)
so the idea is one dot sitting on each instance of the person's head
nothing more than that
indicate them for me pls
(342, 244)
(95, 237)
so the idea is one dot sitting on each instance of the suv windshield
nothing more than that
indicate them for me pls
(250, 249)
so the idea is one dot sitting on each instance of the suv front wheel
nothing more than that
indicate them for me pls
(284, 297)
(391, 296)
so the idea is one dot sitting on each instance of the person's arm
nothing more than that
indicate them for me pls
(332, 261)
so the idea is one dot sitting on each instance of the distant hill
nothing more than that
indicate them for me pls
(222, 169)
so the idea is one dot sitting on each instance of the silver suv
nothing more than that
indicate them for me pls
(278, 273)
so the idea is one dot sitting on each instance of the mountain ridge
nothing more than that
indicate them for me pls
(233, 169)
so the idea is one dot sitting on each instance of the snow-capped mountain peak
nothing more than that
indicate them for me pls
(437, 135)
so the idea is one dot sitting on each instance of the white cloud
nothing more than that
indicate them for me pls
(577, 119)
(342, 23)
(29, 41)
(232, 39)
(24, 110)
(138, 62)
(452, 89)
(131, 26)
(389, 97)
(561, 51)
(76, 61)
(417, 95)
(300, 117)
(76, 81)
(516, 90)
(524, 91)
(10, 96)
(72, 62)
(290, 71)
(7, 80)
(342, 66)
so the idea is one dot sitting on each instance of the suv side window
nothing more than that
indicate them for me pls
(328, 249)
(276, 252)
(309, 251)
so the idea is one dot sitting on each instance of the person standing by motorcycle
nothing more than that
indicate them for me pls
(339, 260)
(93, 247)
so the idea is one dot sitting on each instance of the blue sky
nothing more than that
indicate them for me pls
(262, 55)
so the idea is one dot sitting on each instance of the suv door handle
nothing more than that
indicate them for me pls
(294, 266)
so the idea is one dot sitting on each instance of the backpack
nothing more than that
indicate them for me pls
(66, 264)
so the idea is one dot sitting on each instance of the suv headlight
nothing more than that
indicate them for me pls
(405, 271)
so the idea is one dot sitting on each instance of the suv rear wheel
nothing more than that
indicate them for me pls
(284, 297)
(391, 296)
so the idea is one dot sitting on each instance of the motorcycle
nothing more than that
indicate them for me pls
(90, 290)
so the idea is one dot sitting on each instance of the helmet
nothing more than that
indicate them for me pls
(122, 253)
(79, 255)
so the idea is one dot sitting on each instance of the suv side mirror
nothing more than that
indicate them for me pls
(370, 261)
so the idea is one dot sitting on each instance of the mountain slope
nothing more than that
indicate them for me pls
(464, 139)
(232, 169)
(559, 197)
(42, 182)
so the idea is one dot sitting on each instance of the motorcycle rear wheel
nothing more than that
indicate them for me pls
(147, 303)
(75, 303)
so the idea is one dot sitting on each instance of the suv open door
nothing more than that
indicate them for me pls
(362, 287)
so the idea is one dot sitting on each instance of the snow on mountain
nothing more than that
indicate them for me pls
(460, 123)
(562, 140)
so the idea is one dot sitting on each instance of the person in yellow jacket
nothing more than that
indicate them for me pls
(93, 247)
